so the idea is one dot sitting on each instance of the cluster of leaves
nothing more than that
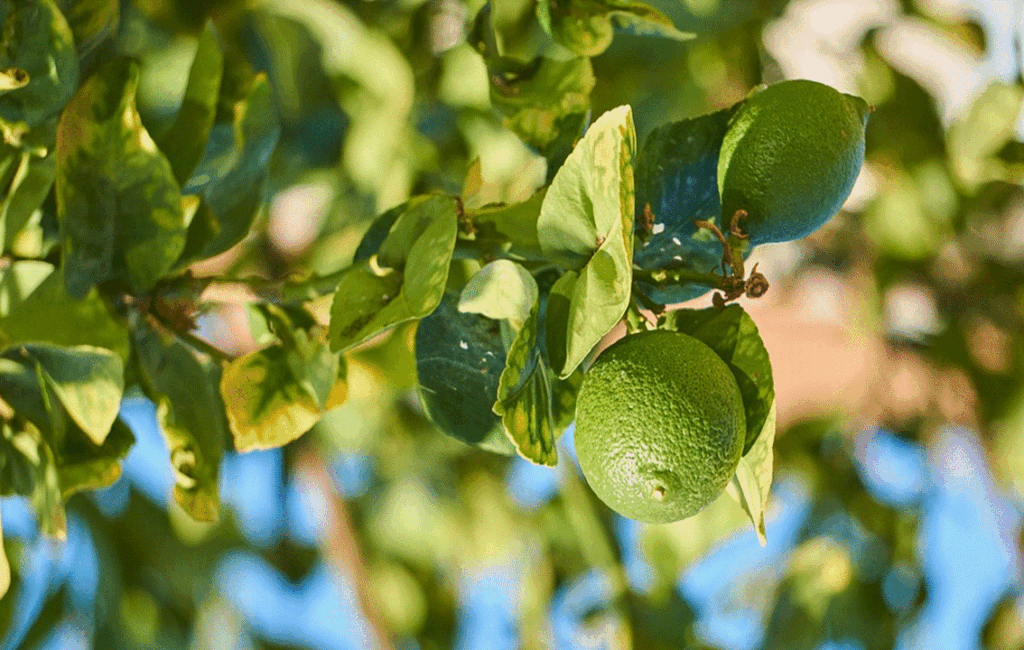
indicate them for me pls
(103, 218)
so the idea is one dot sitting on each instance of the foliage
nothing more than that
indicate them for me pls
(508, 183)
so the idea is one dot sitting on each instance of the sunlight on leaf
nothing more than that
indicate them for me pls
(753, 480)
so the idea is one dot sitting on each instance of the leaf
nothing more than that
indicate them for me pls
(34, 306)
(275, 395)
(190, 413)
(587, 26)
(92, 22)
(230, 178)
(753, 479)
(459, 361)
(27, 175)
(524, 396)
(407, 280)
(556, 321)
(89, 382)
(975, 141)
(545, 102)
(676, 176)
(586, 224)
(38, 41)
(81, 465)
(120, 208)
(510, 228)
(185, 141)
(733, 335)
(5, 568)
(501, 290)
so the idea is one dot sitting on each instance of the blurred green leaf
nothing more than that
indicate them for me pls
(459, 361)
(5, 568)
(119, 206)
(91, 22)
(733, 335)
(38, 41)
(545, 102)
(185, 141)
(587, 26)
(275, 395)
(753, 480)
(524, 396)
(586, 223)
(501, 290)
(190, 413)
(230, 177)
(407, 279)
(34, 306)
(81, 465)
(975, 141)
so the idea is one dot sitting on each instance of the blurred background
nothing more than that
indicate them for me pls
(896, 333)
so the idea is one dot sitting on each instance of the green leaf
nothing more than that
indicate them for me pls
(81, 465)
(231, 176)
(27, 175)
(119, 206)
(510, 228)
(190, 413)
(91, 22)
(185, 142)
(556, 321)
(563, 400)
(975, 141)
(587, 26)
(89, 382)
(5, 568)
(524, 396)
(34, 306)
(677, 184)
(459, 361)
(753, 480)
(38, 41)
(501, 290)
(404, 281)
(732, 334)
(275, 395)
(545, 102)
(586, 224)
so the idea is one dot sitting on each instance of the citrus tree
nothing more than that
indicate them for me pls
(144, 141)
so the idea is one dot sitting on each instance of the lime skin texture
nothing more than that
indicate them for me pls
(660, 426)
(790, 158)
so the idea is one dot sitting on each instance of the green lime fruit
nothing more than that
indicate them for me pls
(790, 157)
(660, 426)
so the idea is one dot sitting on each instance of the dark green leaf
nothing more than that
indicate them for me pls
(404, 281)
(5, 568)
(185, 142)
(524, 396)
(119, 205)
(34, 306)
(556, 321)
(91, 22)
(586, 223)
(512, 228)
(37, 41)
(81, 465)
(230, 178)
(275, 395)
(676, 176)
(732, 334)
(190, 413)
(587, 26)
(459, 361)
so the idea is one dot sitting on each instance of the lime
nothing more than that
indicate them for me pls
(659, 426)
(790, 157)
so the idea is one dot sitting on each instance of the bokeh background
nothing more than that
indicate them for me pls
(896, 333)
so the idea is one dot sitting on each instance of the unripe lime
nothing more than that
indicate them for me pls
(790, 157)
(659, 426)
